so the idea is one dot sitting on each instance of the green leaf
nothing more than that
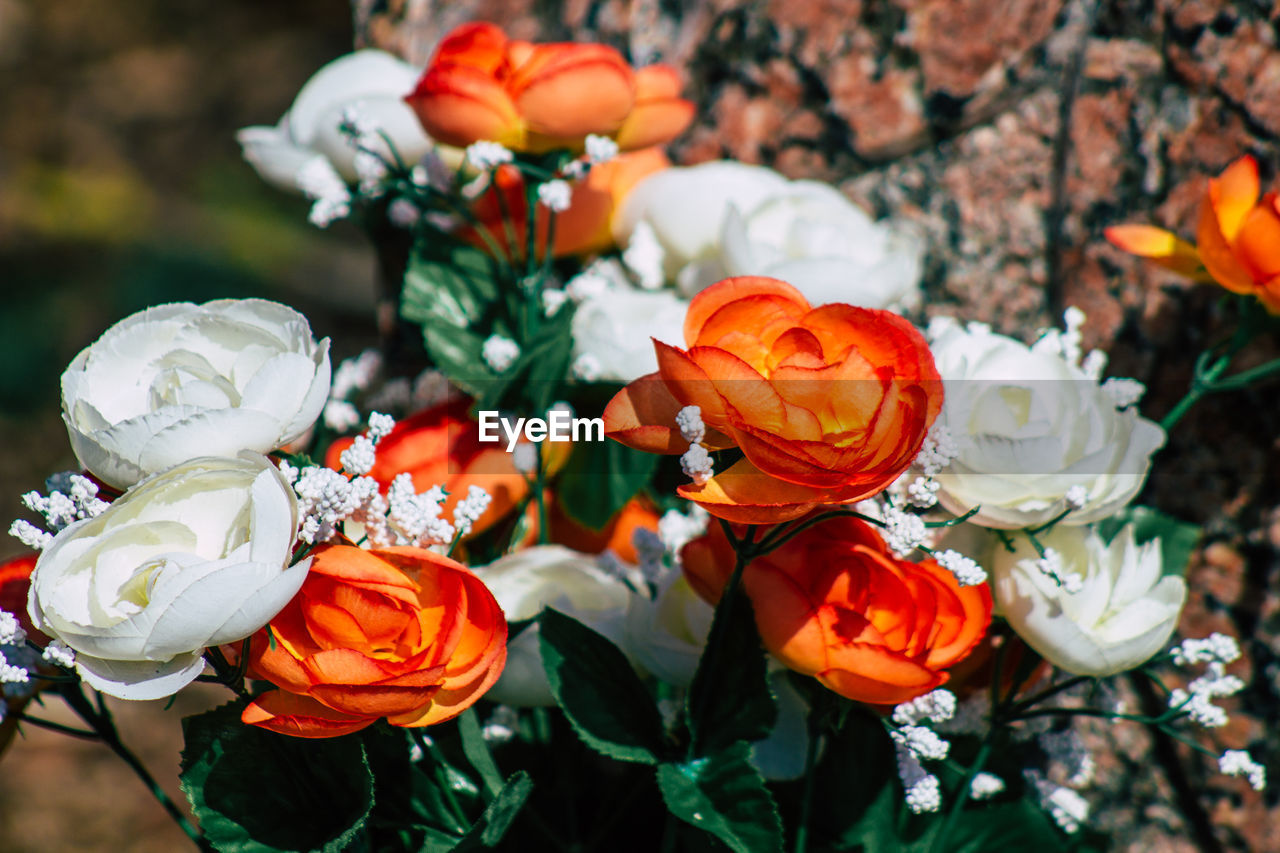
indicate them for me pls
(448, 282)
(598, 690)
(599, 478)
(255, 790)
(729, 699)
(725, 796)
(497, 818)
(477, 751)
(1177, 538)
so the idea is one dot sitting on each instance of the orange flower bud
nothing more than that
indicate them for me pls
(834, 603)
(441, 446)
(480, 85)
(400, 633)
(828, 404)
(1238, 236)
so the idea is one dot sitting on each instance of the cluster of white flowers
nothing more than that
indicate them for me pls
(555, 196)
(1123, 392)
(938, 450)
(320, 182)
(590, 283)
(676, 529)
(904, 531)
(11, 633)
(359, 458)
(1238, 762)
(1064, 343)
(414, 519)
(499, 353)
(1067, 808)
(689, 420)
(470, 508)
(352, 376)
(72, 497)
(325, 500)
(915, 743)
(1051, 566)
(403, 213)
(501, 725)
(966, 570)
(985, 786)
(1197, 700)
(552, 300)
(1076, 497)
(12, 673)
(697, 464)
(644, 256)
(1215, 648)
(60, 654)
(485, 155)
(600, 149)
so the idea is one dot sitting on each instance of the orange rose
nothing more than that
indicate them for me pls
(480, 85)
(587, 226)
(828, 404)
(1239, 237)
(834, 603)
(400, 633)
(441, 446)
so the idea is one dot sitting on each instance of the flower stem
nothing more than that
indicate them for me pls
(105, 729)
(810, 763)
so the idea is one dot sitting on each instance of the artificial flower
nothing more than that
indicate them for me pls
(616, 329)
(725, 218)
(666, 634)
(398, 633)
(1035, 435)
(441, 446)
(195, 556)
(828, 404)
(1238, 237)
(617, 536)
(367, 85)
(179, 381)
(1123, 612)
(482, 86)
(529, 580)
(835, 603)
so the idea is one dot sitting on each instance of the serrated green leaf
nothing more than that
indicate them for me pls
(598, 690)
(725, 796)
(729, 699)
(499, 815)
(448, 282)
(599, 478)
(1178, 539)
(255, 791)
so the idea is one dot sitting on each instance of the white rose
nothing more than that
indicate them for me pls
(192, 557)
(666, 635)
(615, 328)
(1032, 429)
(1123, 614)
(549, 576)
(371, 82)
(726, 219)
(179, 381)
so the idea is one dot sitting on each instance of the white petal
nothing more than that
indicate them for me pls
(140, 679)
(274, 156)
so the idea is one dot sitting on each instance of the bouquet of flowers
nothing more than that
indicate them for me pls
(662, 521)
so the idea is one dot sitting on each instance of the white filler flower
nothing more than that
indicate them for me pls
(179, 381)
(1121, 615)
(195, 556)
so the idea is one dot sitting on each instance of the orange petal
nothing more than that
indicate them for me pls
(874, 674)
(643, 415)
(659, 114)
(459, 105)
(745, 495)
(478, 44)
(715, 297)
(566, 91)
(689, 384)
(1156, 244)
(1257, 242)
(786, 618)
(1218, 257)
(1233, 194)
(447, 704)
(300, 716)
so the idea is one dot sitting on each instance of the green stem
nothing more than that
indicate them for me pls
(962, 795)
(540, 482)
(106, 731)
(57, 727)
(780, 537)
(429, 747)
(1052, 690)
(1248, 377)
(810, 763)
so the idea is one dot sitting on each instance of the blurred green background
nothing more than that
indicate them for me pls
(122, 186)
